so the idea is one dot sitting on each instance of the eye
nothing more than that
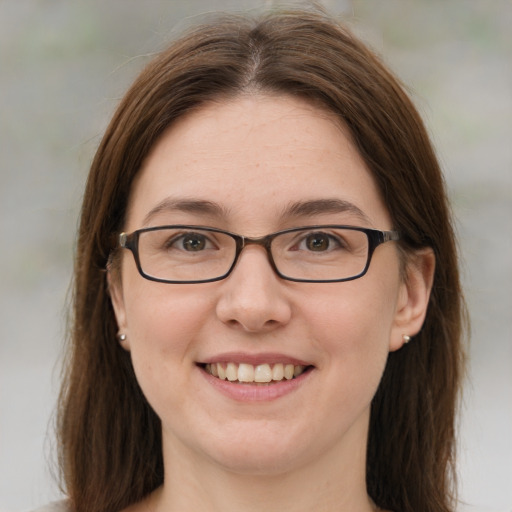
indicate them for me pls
(191, 242)
(319, 242)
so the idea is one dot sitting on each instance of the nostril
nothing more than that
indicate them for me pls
(252, 325)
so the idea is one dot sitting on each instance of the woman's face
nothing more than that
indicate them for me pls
(255, 165)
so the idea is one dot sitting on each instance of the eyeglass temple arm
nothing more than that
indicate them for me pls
(387, 236)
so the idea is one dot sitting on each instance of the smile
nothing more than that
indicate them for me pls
(258, 374)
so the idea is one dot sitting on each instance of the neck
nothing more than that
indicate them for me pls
(334, 482)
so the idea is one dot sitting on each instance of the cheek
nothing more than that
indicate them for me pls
(163, 325)
(352, 326)
(164, 314)
(355, 312)
(349, 327)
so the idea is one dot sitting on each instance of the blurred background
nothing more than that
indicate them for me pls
(63, 67)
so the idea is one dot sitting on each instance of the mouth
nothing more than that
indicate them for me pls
(262, 374)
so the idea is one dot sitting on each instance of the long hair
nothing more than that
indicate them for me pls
(110, 438)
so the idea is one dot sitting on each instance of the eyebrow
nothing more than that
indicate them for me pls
(196, 206)
(308, 208)
(324, 206)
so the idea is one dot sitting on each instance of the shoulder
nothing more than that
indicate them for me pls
(56, 506)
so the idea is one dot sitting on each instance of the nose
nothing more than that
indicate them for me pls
(253, 297)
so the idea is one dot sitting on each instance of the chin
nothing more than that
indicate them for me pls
(259, 454)
(259, 464)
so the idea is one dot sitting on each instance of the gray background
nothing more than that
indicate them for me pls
(63, 67)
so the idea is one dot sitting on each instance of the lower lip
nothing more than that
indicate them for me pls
(256, 392)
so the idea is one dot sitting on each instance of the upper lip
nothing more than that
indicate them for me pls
(254, 359)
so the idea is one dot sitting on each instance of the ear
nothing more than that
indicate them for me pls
(115, 290)
(413, 297)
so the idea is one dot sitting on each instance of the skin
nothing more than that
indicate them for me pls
(253, 156)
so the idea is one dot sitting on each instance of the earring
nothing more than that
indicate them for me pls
(121, 337)
(406, 338)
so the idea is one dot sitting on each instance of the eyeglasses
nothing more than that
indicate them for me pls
(312, 254)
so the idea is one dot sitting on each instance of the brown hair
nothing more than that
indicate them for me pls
(110, 440)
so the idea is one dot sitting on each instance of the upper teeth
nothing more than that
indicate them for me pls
(244, 372)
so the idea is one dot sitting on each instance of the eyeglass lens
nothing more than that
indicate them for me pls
(195, 254)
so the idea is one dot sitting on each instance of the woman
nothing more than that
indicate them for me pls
(267, 308)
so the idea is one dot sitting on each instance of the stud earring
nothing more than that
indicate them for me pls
(406, 338)
(121, 337)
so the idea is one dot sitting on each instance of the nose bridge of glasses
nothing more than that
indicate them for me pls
(263, 241)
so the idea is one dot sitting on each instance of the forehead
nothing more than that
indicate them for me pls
(255, 155)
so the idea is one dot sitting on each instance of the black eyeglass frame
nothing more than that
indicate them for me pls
(375, 238)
